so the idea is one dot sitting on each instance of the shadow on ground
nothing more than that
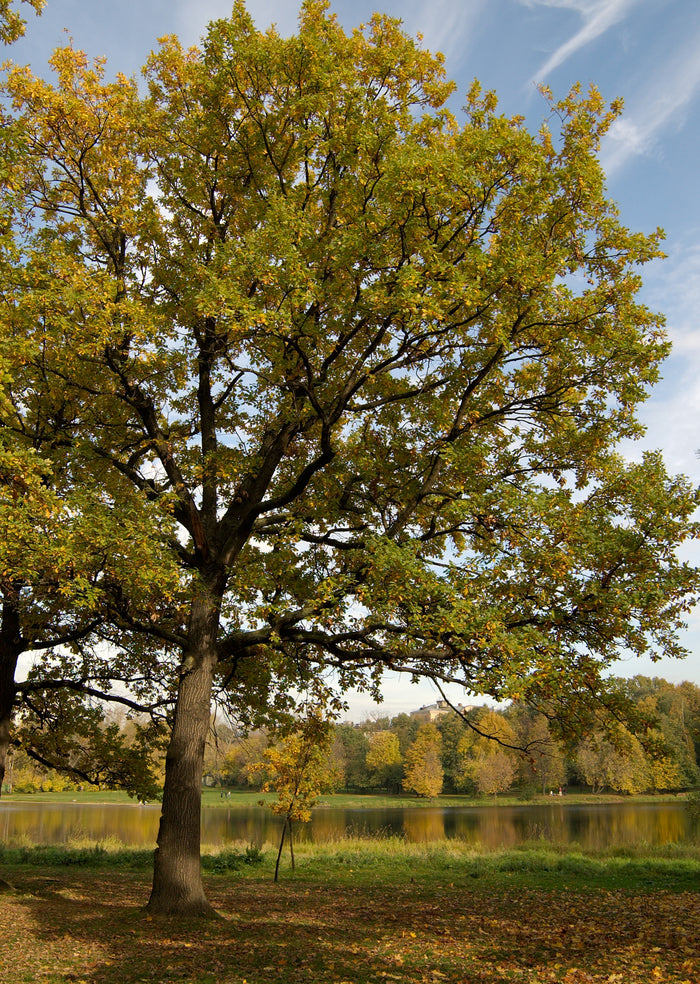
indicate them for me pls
(90, 928)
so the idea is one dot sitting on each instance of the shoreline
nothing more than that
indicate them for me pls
(243, 799)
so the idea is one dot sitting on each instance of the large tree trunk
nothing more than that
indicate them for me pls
(10, 648)
(5, 715)
(7, 700)
(177, 881)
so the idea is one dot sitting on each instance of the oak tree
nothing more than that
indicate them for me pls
(360, 366)
(50, 573)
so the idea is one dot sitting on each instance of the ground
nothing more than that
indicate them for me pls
(356, 926)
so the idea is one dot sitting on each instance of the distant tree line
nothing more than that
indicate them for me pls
(493, 751)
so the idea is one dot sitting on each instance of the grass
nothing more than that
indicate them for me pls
(402, 800)
(388, 858)
(247, 798)
(70, 796)
(375, 800)
(360, 911)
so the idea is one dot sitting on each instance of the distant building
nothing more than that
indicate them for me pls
(433, 711)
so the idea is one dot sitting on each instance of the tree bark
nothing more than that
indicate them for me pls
(10, 648)
(177, 879)
(6, 703)
(5, 716)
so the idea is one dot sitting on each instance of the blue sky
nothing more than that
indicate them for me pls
(645, 51)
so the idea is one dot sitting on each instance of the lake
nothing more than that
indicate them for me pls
(591, 826)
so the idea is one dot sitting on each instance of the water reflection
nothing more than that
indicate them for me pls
(419, 827)
(591, 827)
(44, 823)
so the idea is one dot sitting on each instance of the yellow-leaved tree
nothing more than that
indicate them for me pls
(422, 767)
(298, 768)
(383, 758)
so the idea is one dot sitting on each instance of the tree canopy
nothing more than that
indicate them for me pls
(12, 25)
(352, 368)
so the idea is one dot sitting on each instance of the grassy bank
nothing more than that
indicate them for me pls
(380, 800)
(354, 801)
(364, 861)
(362, 912)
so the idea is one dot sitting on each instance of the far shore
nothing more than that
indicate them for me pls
(235, 798)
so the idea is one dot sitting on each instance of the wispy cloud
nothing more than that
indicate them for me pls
(598, 17)
(663, 102)
(446, 26)
(673, 286)
(673, 409)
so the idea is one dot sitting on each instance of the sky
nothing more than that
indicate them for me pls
(646, 52)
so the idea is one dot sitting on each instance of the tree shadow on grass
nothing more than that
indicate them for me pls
(91, 928)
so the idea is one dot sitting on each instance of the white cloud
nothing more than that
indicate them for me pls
(402, 694)
(667, 95)
(598, 17)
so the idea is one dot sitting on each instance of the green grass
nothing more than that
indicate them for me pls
(372, 800)
(375, 800)
(364, 861)
(71, 796)
(443, 862)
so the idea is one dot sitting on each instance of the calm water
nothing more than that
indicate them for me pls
(591, 827)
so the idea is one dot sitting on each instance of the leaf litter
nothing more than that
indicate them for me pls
(89, 928)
